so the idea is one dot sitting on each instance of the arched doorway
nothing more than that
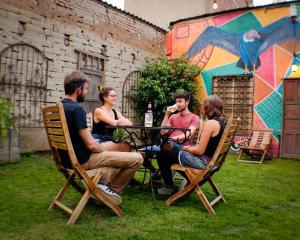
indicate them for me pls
(23, 80)
(131, 84)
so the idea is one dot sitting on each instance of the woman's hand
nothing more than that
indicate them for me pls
(188, 149)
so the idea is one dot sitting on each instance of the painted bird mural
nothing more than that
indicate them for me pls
(247, 45)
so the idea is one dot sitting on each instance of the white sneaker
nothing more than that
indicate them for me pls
(115, 197)
(170, 190)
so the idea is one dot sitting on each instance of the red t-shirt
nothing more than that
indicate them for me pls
(184, 121)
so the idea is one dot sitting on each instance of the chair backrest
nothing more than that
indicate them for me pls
(224, 144)
(260, 138)
(60, 141)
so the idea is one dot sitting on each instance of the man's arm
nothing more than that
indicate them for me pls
(92, 144)
(165, 122)
(183, 136)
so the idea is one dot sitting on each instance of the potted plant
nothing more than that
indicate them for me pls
(9, 137)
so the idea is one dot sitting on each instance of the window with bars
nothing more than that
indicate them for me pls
(236, 91)
(93, 66)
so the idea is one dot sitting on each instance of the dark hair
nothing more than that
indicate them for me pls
(182, 94)
(103, 92)
(213, 107)
(74, 80)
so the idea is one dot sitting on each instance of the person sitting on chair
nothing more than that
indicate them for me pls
(197, 156)
(183, 118)
(106, 115)
(90, 153)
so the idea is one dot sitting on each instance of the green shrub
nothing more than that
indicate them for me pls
(6, 118)
(160, 79)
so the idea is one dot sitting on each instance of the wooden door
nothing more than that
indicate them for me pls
(290, 141)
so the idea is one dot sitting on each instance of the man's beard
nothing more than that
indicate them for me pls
(80, 98)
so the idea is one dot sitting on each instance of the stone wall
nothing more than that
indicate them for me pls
(61, 28)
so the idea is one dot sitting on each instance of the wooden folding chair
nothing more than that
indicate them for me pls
(66, 163)
(198, 177)
(256, 145)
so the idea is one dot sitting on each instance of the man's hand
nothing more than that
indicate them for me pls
(92, 144)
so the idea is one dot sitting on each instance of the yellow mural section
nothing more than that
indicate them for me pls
(295, 74)
(270, 15)
(220, 57)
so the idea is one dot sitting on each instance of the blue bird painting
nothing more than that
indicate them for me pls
(247, 45)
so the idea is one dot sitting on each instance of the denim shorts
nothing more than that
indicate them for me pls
(157, 148)
(102, 138)
(195, 161)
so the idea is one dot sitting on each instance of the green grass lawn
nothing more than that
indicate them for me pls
(263, 202)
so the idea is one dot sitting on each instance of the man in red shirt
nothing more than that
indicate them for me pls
(183, 119)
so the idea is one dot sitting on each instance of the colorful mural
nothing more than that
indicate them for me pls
(264, 41)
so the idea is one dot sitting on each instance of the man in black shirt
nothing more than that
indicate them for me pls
(90, 153)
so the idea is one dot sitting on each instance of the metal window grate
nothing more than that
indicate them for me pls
(236, 91)
(23, 80)
(131, 84)
(93, 66)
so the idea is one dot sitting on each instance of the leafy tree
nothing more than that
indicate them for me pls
(160, 80)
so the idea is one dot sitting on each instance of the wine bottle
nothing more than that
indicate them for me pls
(149, 116)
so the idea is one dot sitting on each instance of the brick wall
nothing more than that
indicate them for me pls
(59, 27)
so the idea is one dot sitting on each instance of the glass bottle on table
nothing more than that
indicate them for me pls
(149, 116)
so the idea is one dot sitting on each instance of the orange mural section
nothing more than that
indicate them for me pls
(283, 60)
(183, 35)
(202, 94)
(261, 89)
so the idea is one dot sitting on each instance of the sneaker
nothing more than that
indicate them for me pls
(111, 194)
(170, 190)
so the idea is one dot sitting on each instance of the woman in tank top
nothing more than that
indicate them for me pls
(197, 156)
(106, 115)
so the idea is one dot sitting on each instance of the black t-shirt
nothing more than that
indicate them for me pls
(76, 120)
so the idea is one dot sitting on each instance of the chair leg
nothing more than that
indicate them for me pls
(204, 200)
(62, 191)
(79, 207)
(216, 190)
(240, 153)
(179, 194)
(262, 158)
